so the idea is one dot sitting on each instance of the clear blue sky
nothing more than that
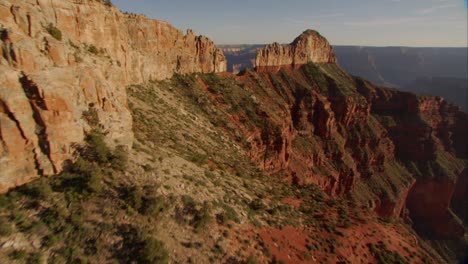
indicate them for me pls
(433, 23)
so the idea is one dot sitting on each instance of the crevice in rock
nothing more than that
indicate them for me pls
(13, 10)
(7, 48)
(28, 16)
(37, 104)
(4, 108)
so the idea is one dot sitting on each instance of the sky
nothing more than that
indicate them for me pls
(420, 23)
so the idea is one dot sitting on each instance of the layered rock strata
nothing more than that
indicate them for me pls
(63, 60)
(310, 46)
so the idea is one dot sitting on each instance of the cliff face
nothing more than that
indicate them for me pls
(387, 149)
(310, 46)
(64, 62)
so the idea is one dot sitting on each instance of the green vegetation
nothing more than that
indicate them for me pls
(383, 255)
(54, 31)
(5, 227)
(107, 2)
(59, 210)
(92, 49)
(91, 116)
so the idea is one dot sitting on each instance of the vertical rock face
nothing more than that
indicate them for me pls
(62, 58)
(310, 46)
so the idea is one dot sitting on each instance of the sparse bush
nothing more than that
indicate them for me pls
(133, 196)
(202, 218)
(18, 254)
(199, 159)
(84, 178)
(153, 206)
(50, 241)
(383, 255)
(188, 201)
(153, 251)
(5, 227)
(107, 2)
(257, 205)
(119, 158)
(229, 214)
(97, 148)
(35, 258)
(22, 222)
(54, 31)
(91, 116)
(92, 49)
(251, 260)
(39, 189)
(95, 182)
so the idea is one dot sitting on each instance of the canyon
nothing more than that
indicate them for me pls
(70, 68)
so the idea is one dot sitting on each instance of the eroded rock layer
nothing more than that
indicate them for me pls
(310, 46)
(64, 62)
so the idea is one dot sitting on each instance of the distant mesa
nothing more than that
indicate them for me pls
(310, 46)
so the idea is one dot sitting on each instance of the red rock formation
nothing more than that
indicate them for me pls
(429, 203)
(350, 137)
(310, 46)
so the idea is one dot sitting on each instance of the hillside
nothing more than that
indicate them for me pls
(173, 160)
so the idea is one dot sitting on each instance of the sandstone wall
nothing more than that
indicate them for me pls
(310, 46)
(60, 58)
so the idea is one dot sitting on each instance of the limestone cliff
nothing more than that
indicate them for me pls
(310, 46)
(62, 60)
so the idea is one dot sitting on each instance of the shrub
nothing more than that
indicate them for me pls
(256, 205)
(133, 196)
(85, 178)
(119, 158)
(40, 189)
(107, 2)
(93, 49)
(35, 257)
(50, 240)
(153, 206)
(97, 148)
(54, 32)
(229, 214)
(188, 201)
(5, 227)
(251, 260)
(94, 182)
(202, 218)
(18, 254)
(91, 116)
(153, 251)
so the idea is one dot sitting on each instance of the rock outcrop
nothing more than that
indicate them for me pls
(388, 149)
(310, 46)
(62, 60)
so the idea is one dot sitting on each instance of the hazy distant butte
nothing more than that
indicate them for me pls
(310, 46)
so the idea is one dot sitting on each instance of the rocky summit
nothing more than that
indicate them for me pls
(124, 140)
(310, 46)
